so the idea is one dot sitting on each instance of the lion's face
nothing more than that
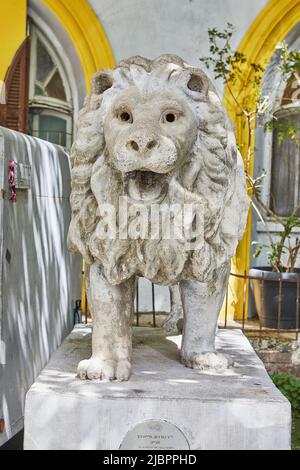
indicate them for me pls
(148, 136)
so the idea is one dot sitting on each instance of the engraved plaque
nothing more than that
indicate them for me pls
(155, 434)
(22, 176)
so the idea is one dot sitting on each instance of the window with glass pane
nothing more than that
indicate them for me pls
(48, 81)
(44, 63)
(285, 182)
(52, 129)
(50, 104)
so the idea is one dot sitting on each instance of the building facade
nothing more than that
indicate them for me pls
(51, 48)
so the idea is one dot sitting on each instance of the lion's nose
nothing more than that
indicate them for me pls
(142, 144)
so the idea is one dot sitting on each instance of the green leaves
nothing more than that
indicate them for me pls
(285, 129)
(277, 249)
(259, 247)
(289, 386)
(227, 64)
(289, 60)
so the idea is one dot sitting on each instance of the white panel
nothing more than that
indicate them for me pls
(40, 279)
(161, 295)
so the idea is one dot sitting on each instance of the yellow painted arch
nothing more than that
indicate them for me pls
(270, 27)
(87, 34)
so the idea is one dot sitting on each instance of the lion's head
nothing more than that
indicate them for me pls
(156, 132)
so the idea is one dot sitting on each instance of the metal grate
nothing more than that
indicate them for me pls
(252, 325)
(245, 324)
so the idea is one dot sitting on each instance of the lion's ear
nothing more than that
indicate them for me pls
(198, 82)
(101, 81)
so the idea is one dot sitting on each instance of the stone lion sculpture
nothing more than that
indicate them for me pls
(155, 132)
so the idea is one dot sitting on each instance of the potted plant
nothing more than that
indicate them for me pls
(276, 287)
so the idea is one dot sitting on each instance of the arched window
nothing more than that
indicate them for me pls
(276, 156)
(285, 174)
(36, 95)
(50, 100)
(285, 181)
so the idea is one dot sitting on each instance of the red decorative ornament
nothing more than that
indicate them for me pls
(11, 177)
(2, 425)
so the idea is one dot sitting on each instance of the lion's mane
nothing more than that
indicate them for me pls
(213, 173)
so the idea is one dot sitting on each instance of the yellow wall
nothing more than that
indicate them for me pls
(77, 18)
(12, 31)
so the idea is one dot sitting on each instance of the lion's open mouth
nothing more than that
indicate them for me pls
(146, 186)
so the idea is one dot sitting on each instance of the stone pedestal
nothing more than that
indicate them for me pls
(163, 406)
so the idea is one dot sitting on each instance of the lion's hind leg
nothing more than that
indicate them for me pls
(201, 312)
(175, 318)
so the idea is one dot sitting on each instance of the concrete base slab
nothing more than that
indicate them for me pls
(237, 409)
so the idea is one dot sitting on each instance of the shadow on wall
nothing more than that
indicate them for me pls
(40, 279)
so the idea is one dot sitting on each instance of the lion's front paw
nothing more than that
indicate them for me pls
(104, 369)
(208, 360)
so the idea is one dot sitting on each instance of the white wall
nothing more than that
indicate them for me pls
(155, 27)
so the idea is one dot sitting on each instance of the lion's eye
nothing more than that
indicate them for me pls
(125, 116)
(169, 117)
